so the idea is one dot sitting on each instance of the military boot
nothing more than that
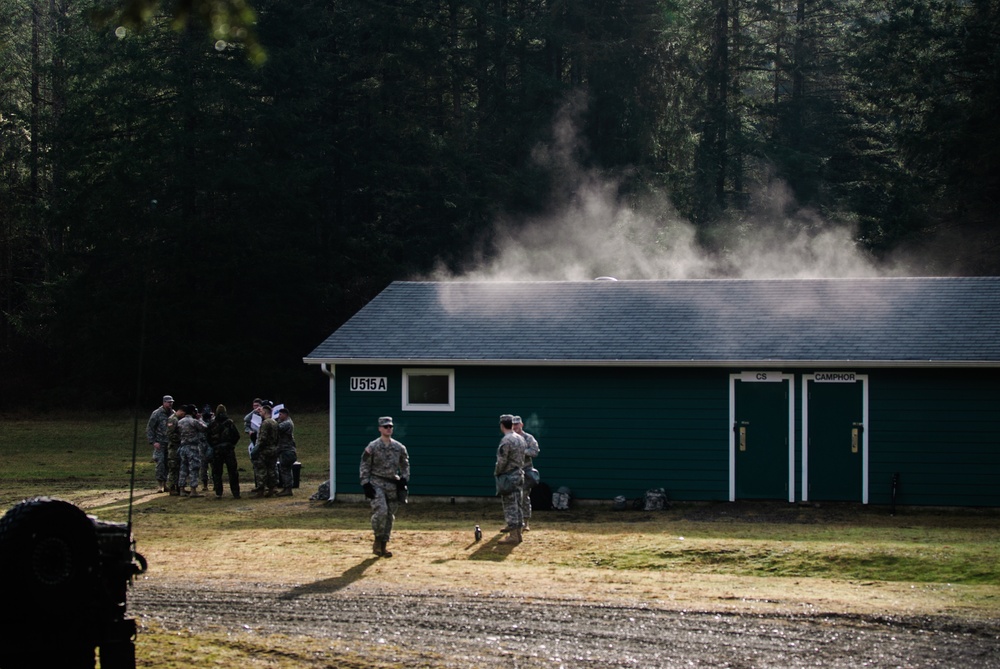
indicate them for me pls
(194, 492)
(513, 536)
(385, 549)
(378, 547)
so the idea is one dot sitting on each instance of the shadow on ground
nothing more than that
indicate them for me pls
(333, 584)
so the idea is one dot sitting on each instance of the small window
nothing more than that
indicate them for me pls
(428, 390)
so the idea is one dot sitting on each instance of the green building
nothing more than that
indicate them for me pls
(800, 390)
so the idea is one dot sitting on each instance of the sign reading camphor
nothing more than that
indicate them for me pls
(836, 377)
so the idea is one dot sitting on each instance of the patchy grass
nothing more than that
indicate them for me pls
(181, 649)
(747, 557)
(884, 561)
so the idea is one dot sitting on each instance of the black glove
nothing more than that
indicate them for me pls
(401, 483)
(369, 491)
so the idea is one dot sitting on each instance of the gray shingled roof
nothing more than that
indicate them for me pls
(889, 321)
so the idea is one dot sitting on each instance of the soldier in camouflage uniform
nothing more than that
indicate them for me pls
(223, 435)
(385, 475)
(173, 450)
(286, 451)
(192, 432)
(531, 451)
(510, 462)
(205, 415)
(266, 451)
(156, 435)
(251, 430)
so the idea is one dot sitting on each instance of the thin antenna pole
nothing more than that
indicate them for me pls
(135, 410)
(138, 378)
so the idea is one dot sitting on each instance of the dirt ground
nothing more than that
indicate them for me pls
(465, 629)
(457, 610)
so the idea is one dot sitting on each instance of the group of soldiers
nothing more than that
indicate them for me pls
(272, 448)
(188, 441)
(516, 475)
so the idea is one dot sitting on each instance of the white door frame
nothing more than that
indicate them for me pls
(762, 377)
(863, 379)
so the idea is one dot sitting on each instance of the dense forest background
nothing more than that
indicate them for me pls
(169, 196)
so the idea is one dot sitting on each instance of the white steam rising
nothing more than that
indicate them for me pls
(594, 231)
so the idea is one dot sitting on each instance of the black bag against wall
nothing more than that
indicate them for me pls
(541, 497)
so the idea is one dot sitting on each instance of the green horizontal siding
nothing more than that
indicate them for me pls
(620, 431)
(938, 429)
(602, 433)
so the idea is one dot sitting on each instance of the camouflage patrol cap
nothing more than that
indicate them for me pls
(168, 398)
(517, 421)
(385, 421)
(506, 418)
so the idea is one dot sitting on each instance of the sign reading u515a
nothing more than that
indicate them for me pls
(369, 383)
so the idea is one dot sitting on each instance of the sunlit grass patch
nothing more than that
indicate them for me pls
(879, 561)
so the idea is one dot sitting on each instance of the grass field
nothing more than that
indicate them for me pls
(699, 556)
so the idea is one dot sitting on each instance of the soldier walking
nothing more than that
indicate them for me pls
(385, 475)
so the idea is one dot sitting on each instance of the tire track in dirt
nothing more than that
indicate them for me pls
(467, 630)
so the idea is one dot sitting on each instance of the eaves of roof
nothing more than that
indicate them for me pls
(784, 364)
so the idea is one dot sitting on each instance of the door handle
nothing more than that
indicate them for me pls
(740, 428)
(856, 436)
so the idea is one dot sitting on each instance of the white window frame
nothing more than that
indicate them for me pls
(428, 371)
